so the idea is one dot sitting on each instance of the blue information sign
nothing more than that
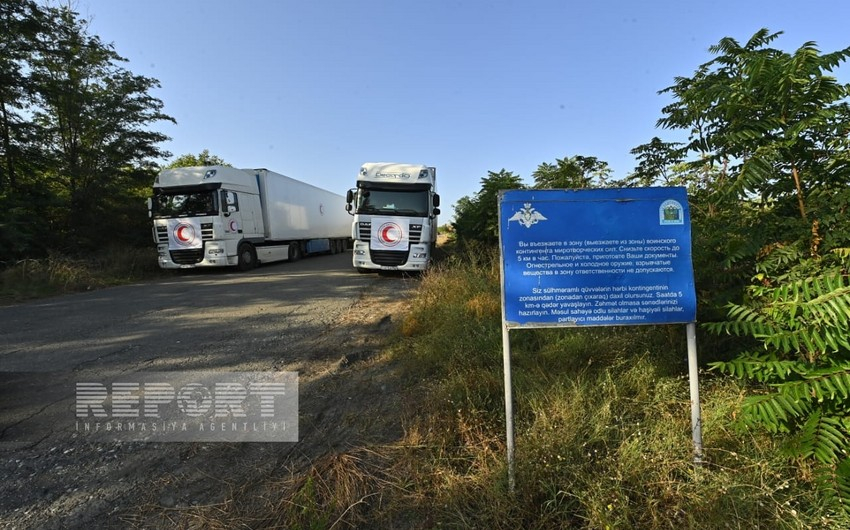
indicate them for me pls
(596, 257)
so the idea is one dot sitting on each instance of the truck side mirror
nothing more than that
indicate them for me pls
(149, 202)
(436, 211)
(349, 196)
(436, 199)
(348, 208)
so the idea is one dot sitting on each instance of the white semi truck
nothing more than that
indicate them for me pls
(217, 216)
(395, 209)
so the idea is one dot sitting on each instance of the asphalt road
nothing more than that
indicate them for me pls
(317, 317)
(197, 320)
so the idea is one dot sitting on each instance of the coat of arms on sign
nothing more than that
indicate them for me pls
(527, 216)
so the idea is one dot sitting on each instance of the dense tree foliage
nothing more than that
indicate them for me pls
(771, 128)
(476, 218)
(656, 162)
(204, 158)
(77, 152)
(573, 172)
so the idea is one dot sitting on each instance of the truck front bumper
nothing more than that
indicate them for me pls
(416, 258)
(208, 256)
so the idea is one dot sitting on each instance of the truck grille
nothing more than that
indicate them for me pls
(389, 258)
(187, 257)
(162, 232)
(365, 232)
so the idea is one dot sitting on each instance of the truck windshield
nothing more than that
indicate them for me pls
(185, 204)
(393, 202)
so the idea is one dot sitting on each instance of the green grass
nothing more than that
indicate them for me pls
(59, 274)
(603, 434)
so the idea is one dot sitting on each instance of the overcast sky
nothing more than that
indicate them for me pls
(314, 88)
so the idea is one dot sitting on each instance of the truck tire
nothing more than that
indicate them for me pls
(295, 253)
(247, 257)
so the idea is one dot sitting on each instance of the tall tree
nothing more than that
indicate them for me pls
(20, 22)
(95, 117)
(656, 160)
(573, 172)
(477, 218)
(204, 158)
(777, 118)
(771, 131)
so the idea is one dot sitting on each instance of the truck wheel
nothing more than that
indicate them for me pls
(294, 251)
(247, 257)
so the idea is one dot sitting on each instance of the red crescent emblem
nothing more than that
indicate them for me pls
(184, 234)
(390, 234)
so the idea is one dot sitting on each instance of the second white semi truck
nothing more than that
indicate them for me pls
(395, 209)
(217, 216)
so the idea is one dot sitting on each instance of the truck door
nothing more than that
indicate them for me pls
(233, 222)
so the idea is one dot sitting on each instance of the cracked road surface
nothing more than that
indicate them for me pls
(317, 317)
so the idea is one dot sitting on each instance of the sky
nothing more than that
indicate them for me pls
(314, 88)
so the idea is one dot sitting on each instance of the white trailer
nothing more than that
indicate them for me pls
(395, 209)
(216, 216)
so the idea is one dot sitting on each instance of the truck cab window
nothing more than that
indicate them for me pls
(166, 205)
(393, 202)
(230, 200)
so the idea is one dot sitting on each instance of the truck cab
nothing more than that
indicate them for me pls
(395, 208)
(202, 214)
